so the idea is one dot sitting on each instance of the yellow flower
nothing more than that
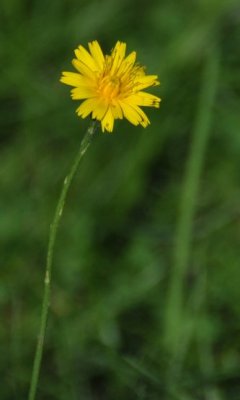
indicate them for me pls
(111, 85)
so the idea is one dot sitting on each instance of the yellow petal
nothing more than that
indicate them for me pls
(144, 99)
(97, 54)
(134, 114)
(130, 113)
(83, 69)
(83, 55)
(108, 121)
(82, 92)
(117, 111)
(73, 79)
(144, 119)
(99, 110)
(118, 55)
(127, 63)
(145, 81)
(86, 108)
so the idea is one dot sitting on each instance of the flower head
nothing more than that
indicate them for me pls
(111, 85)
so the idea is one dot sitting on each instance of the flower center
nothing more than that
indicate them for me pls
(109, 87)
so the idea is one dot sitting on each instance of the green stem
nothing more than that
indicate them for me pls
(174, 317)
(52, 238)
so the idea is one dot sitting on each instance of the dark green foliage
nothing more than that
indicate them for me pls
(115, 247)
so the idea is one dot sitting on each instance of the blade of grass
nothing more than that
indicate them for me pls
(174, 312)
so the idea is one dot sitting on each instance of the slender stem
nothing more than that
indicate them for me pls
(52, 238)
(174, 317)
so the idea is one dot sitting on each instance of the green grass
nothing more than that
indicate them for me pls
(141, 199)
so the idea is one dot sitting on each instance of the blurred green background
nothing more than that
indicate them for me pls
(145, 296)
